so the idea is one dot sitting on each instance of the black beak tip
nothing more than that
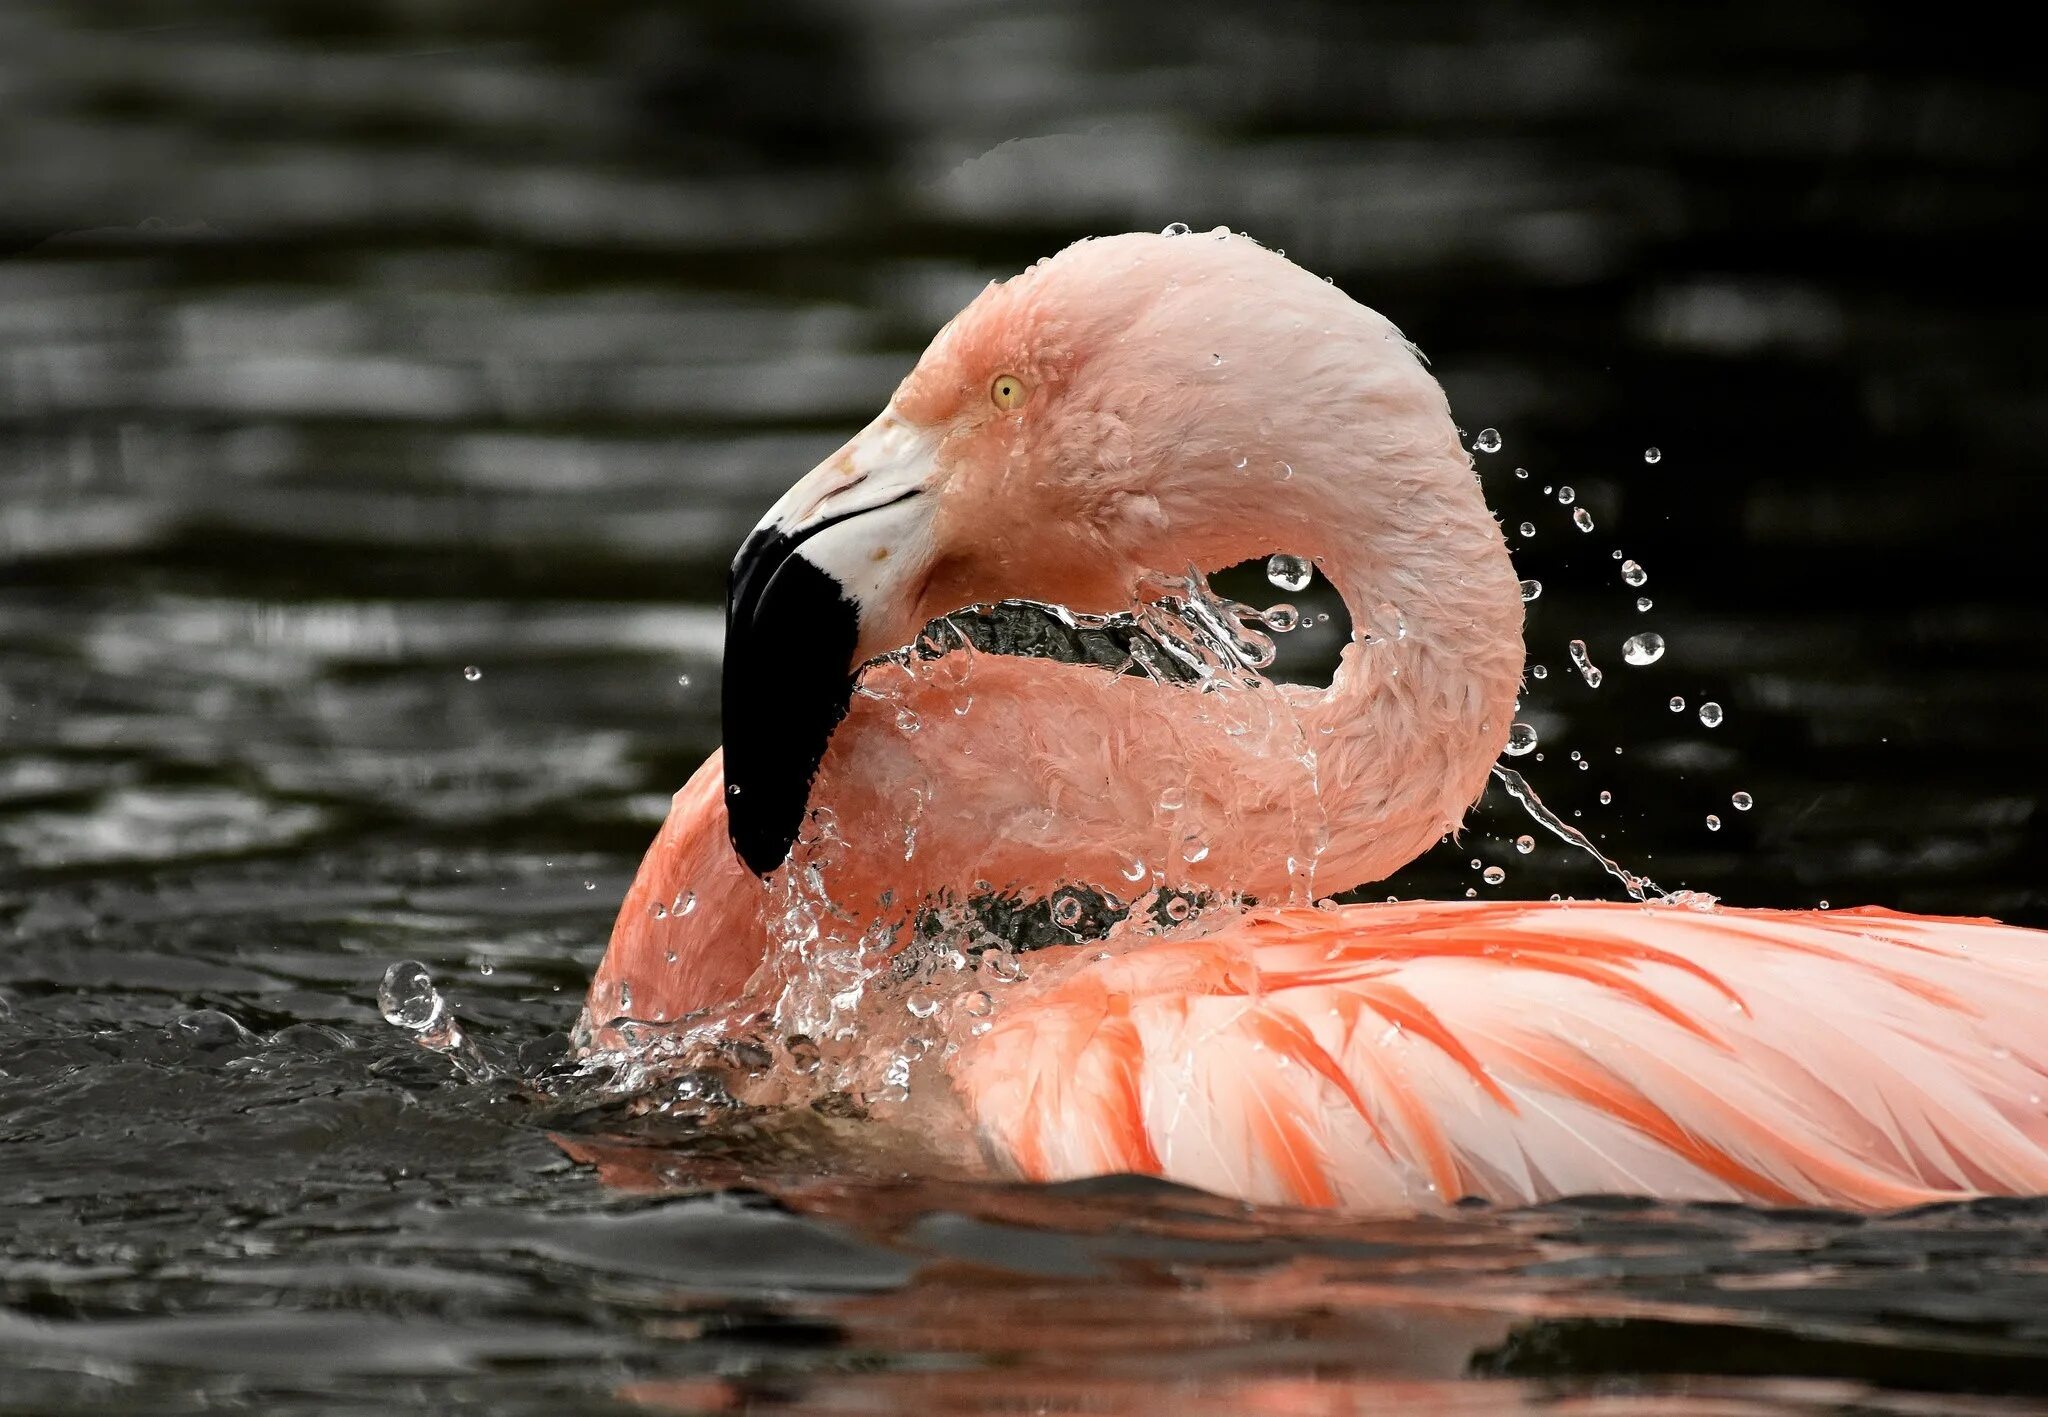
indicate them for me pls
(791, 632)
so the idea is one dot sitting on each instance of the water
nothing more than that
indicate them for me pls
(374, 434)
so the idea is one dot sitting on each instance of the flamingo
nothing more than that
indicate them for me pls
(1079, 435)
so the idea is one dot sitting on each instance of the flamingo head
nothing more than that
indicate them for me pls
(1124, 410)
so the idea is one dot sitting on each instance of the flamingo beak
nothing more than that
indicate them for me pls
(816, 589)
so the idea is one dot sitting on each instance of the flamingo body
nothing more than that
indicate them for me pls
(1402, 1056)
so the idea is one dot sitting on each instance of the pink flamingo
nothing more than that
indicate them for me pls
(1138, 405)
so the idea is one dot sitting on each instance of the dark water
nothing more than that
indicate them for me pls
(344, 347)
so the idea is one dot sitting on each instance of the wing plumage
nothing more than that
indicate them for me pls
(1408, 1055)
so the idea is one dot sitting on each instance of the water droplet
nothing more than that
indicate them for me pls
(1214, 360)
(907, 721)
(1652, 455)
(1171, 799)
(1523, 473)
(1493, 875)
(1280, 619)
(1713, 822)
(1531, 589)
(1134, 869)
(732, 789)
(590, 885)
(1477, 863)
(1471, 893)
(683, 681)
(1538, 671)
(1488, 441)
(1566, 496)
(1710, 714)
(1642, 602)
(472, 673)
(978, 1004)
(408, 999)
(1066, 912)
(1174, 228)
(1525, 844)
(1177, 909)
(1582, 519)
(485, 968)
(1588, 671)
(1194, 849)
(921, 1005)
(1289, 573)
(1823, 905)
(1527, 528)
(1606, 797)
(1646, 648)
(1743, 801)
(1633, 573)
(1521, 740)
(685, 902)
(1677, 704)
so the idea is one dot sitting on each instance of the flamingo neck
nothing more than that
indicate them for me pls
(1424, 693)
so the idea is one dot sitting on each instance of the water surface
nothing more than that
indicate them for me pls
(343, 352)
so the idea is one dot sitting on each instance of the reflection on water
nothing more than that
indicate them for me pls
(342, 350)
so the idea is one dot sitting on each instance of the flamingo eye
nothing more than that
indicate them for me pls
(1008, 392)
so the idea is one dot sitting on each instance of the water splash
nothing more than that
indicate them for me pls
(1583, 662)
(1288, 572)
(1646, 648)
(1640, 888)
(410, 1003)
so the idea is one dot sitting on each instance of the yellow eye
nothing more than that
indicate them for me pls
(1008, 392)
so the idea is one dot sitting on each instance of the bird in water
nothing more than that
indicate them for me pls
(1116, 422)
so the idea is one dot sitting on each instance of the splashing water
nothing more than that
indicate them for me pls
(1640, 888)
(1641, 649)
(1583, 662)
(1289, 573)
(410, 1003)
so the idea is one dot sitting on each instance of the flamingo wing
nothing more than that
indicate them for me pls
(1408, 1055)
